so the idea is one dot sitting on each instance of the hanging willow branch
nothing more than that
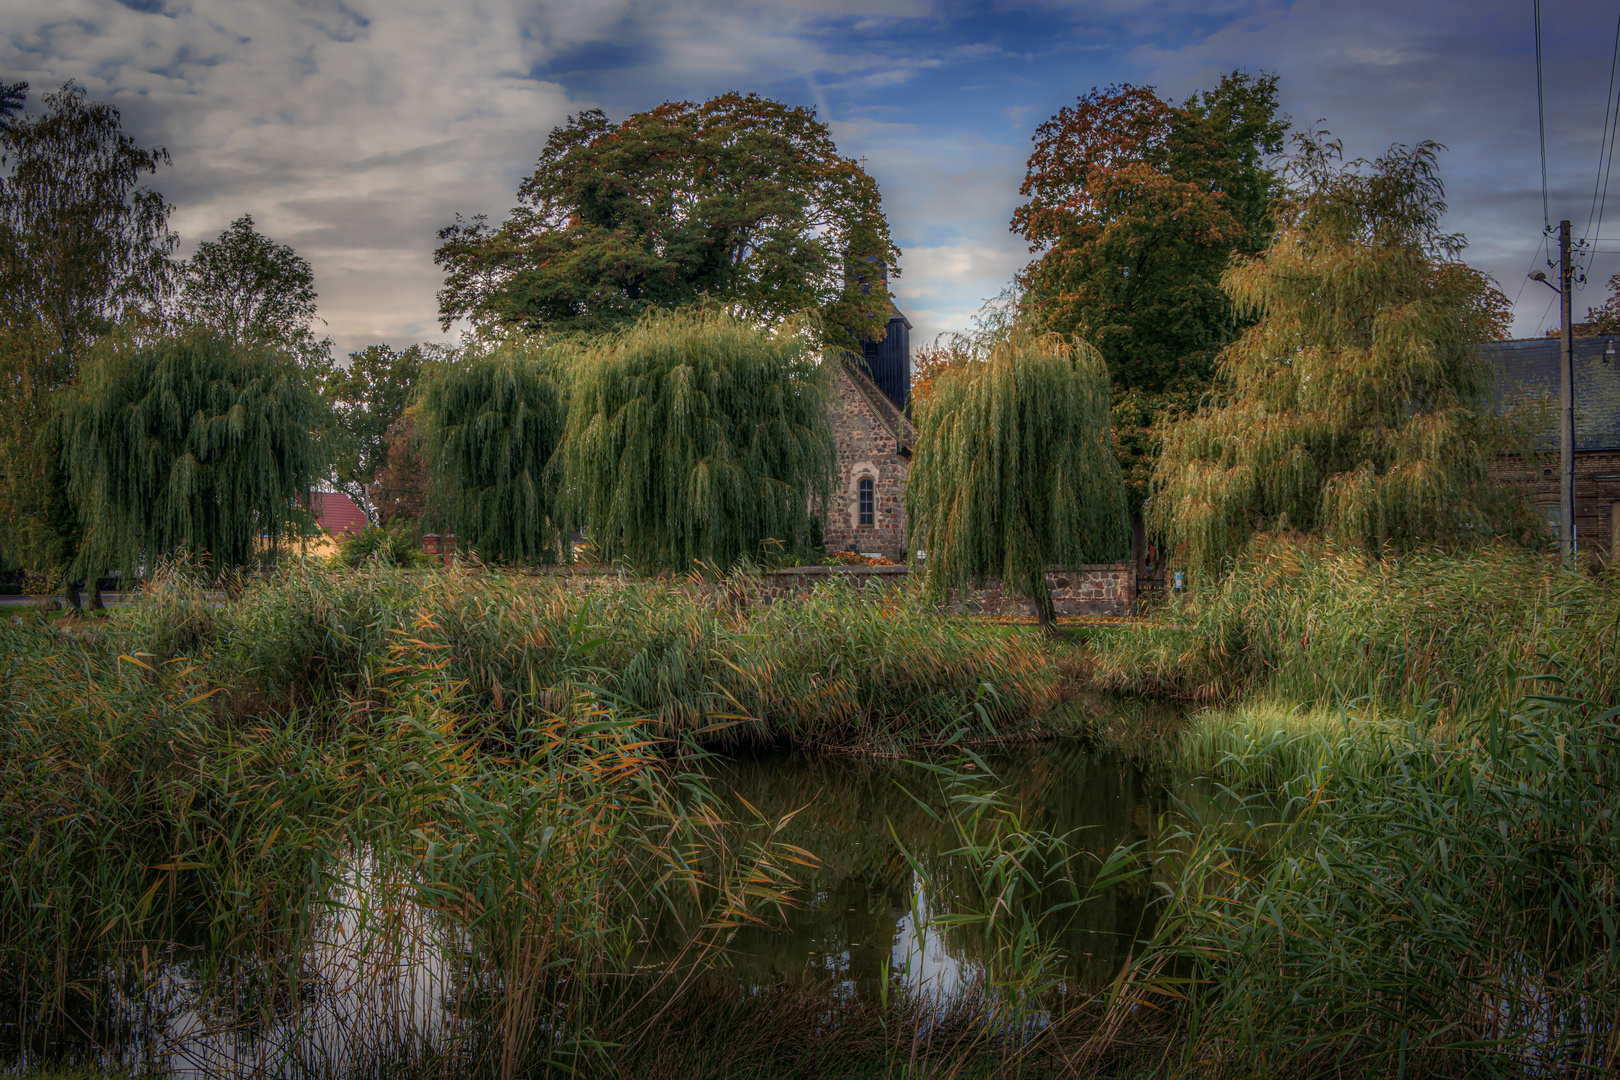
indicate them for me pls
(187, 444)
(492, 424)
(1357, 406)
(1013, 471)
(697, 438)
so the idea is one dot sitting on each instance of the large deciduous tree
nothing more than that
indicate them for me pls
(491, 423)
(698, 438)
(1135, 206)
(404, 480)
(368, 398)
(188, 444)
(1356, 407)
(1013, 470)
(12, 98)
(250, 288)
(83, 246)
(741, 201)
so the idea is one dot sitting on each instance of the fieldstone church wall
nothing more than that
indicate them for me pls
(873, 440)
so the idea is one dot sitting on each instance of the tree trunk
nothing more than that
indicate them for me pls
(94, 588)
(1045, 615)
(1138, 544)
(70, 595)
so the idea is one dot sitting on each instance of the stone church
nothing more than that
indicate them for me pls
(874, 438)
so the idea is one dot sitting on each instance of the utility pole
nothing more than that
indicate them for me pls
(1566, 405)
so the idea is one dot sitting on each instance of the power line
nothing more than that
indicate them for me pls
(1606, 146)
(1533, 260)
(1541, 121)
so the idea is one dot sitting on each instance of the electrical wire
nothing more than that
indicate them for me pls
(1606, 161)
(1533, 260)
(1606, 145)
(1541, 121)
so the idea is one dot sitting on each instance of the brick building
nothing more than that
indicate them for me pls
(873, 436)
(1527, 375)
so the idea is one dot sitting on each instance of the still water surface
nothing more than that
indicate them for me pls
(858, 912)
(863, 915)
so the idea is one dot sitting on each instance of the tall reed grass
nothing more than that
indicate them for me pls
(1432, 908)
(200, 783)
(841, 666)
(1312, 625)
(149, 826)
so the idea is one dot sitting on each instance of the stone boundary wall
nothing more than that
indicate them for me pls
(1098, 589)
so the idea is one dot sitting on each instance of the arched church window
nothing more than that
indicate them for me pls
(867, 512)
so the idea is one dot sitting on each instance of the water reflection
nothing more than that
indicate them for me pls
(866, 915)
(385, 981)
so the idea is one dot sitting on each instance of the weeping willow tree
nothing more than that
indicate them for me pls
(491, 424)
(1356, 407)
(187, 445)
(1013, 471)
(697, 437)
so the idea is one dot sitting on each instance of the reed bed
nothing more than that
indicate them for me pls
(1444, 636)
(194, 792)
(1434, 908)
(691, 657)
(1407, 867)
(152, 833)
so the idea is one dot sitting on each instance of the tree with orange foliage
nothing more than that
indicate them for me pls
(1607, 317)
(1135, 206)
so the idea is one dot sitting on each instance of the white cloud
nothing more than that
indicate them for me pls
(1460, 72)
(943, 286)
(355, 128)
(351, 132)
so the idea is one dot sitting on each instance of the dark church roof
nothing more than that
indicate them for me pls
(889, 361)
(1527, 371)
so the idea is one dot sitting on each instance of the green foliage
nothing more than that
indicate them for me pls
(1013, 472)
(12, 98)
(1357, 406)
(1408, 905)
(37, 523)
(697, 438)
(491, 424)
(1136, 205)
(1314, 625)
(187, 443)
(390, 545)
(82, 247)
(249, 288)
(741, 201)
(403, 481)
(840, 667)
(368, 398)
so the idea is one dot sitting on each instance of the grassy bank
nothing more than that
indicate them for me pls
(1441, 636)
(1401, 905)
(1408, 867)
(690, 658)
(1421, 878)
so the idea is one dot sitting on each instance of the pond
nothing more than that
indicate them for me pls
(858, 912)
(864, 918)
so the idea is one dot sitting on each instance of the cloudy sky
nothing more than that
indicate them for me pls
(354, 129)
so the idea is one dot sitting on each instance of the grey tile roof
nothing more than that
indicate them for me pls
(1528, 372)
